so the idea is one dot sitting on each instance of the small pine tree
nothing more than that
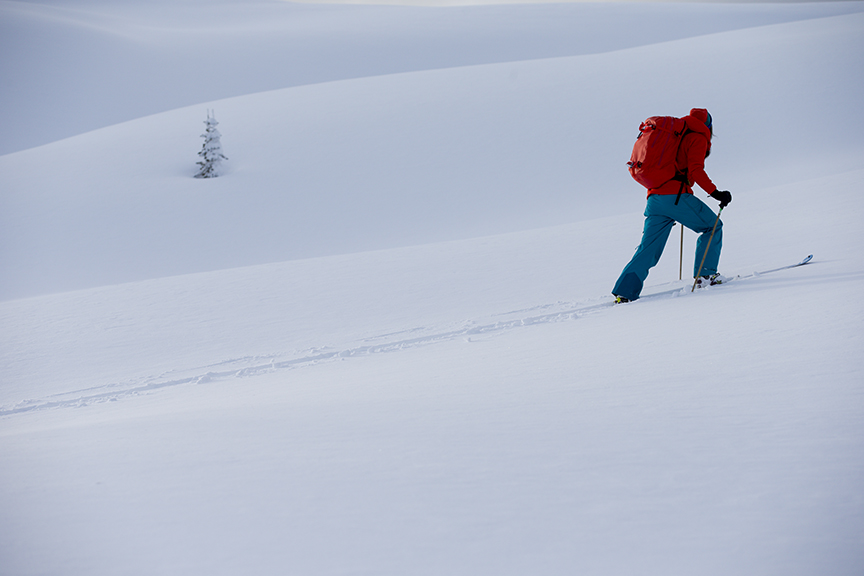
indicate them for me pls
(211, 153)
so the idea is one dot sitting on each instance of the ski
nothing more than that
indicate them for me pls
(801, 263)
(757, 274)
(682, 289)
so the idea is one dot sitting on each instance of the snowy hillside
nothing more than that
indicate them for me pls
(383, 341)
(419, 157)
(71, 66)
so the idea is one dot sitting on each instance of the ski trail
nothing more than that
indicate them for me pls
(249, 366)
(255, 365)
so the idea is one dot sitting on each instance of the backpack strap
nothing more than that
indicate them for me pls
(681, 176)
(684, 180)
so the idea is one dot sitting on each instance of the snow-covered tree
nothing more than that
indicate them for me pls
(211, 154)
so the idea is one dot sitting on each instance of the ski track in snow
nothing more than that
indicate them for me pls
(255, 365)
(249, 366)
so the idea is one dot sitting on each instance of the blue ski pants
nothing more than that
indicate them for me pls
(661, 214)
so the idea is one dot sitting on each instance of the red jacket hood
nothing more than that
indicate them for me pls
(696, 123)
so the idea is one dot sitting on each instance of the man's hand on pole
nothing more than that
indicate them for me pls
(723, 196)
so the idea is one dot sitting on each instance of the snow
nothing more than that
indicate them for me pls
(78, 65)
(382, 342)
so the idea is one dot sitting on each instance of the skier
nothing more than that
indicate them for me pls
(674, 202)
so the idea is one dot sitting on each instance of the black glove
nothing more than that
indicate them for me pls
(723, 196)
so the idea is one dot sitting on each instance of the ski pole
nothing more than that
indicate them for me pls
(710, 238)
(681, 255)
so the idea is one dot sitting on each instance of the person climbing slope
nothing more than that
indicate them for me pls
(673, 201)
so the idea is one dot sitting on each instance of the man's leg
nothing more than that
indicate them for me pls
(655, 232)
(697, 216)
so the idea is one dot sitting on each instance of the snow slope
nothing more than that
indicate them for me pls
(468, 404)
(473, 407)
(73, 66)
(418, 157)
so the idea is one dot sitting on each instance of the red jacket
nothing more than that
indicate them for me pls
(695, 147)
